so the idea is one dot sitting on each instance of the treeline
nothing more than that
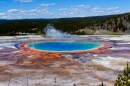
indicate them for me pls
(36, 26)
(16, 27)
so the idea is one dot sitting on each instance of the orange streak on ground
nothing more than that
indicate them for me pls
(32, 56)
(20, 62)
(52, 56)
(33, 61)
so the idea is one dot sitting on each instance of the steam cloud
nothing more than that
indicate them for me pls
(51, 31)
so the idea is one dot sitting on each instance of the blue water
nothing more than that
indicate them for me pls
(64, 46)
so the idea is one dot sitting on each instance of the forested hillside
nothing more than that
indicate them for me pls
(110, 24)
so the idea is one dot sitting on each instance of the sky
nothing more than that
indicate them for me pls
(21, 9)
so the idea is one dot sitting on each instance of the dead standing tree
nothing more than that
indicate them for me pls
(10, 78)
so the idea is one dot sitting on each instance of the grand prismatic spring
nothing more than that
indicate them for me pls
(64, 46)
(62, 60)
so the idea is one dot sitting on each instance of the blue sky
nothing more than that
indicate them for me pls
(19, 9)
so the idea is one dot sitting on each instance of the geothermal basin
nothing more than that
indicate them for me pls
(23, 62)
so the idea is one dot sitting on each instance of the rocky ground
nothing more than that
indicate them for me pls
(83, 69)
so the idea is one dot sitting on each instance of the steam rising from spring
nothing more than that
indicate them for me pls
(51, 31)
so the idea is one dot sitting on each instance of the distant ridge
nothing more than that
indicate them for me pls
(98, 16)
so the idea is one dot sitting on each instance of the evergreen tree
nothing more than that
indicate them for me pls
(74, 84)
(124, 79)
(102, 84)
(129, 18)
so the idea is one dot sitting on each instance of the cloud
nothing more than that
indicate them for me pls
(113, 8)
(105, 10)
(97, 9)
(22, 13)
(2, 14)
(77, 8)
(23, 0)
(81, 6)
(63, 9)
(33, 10)
(46, 5)
(12, 10)
(74, 11)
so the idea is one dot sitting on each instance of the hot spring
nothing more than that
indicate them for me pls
(63, 46)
